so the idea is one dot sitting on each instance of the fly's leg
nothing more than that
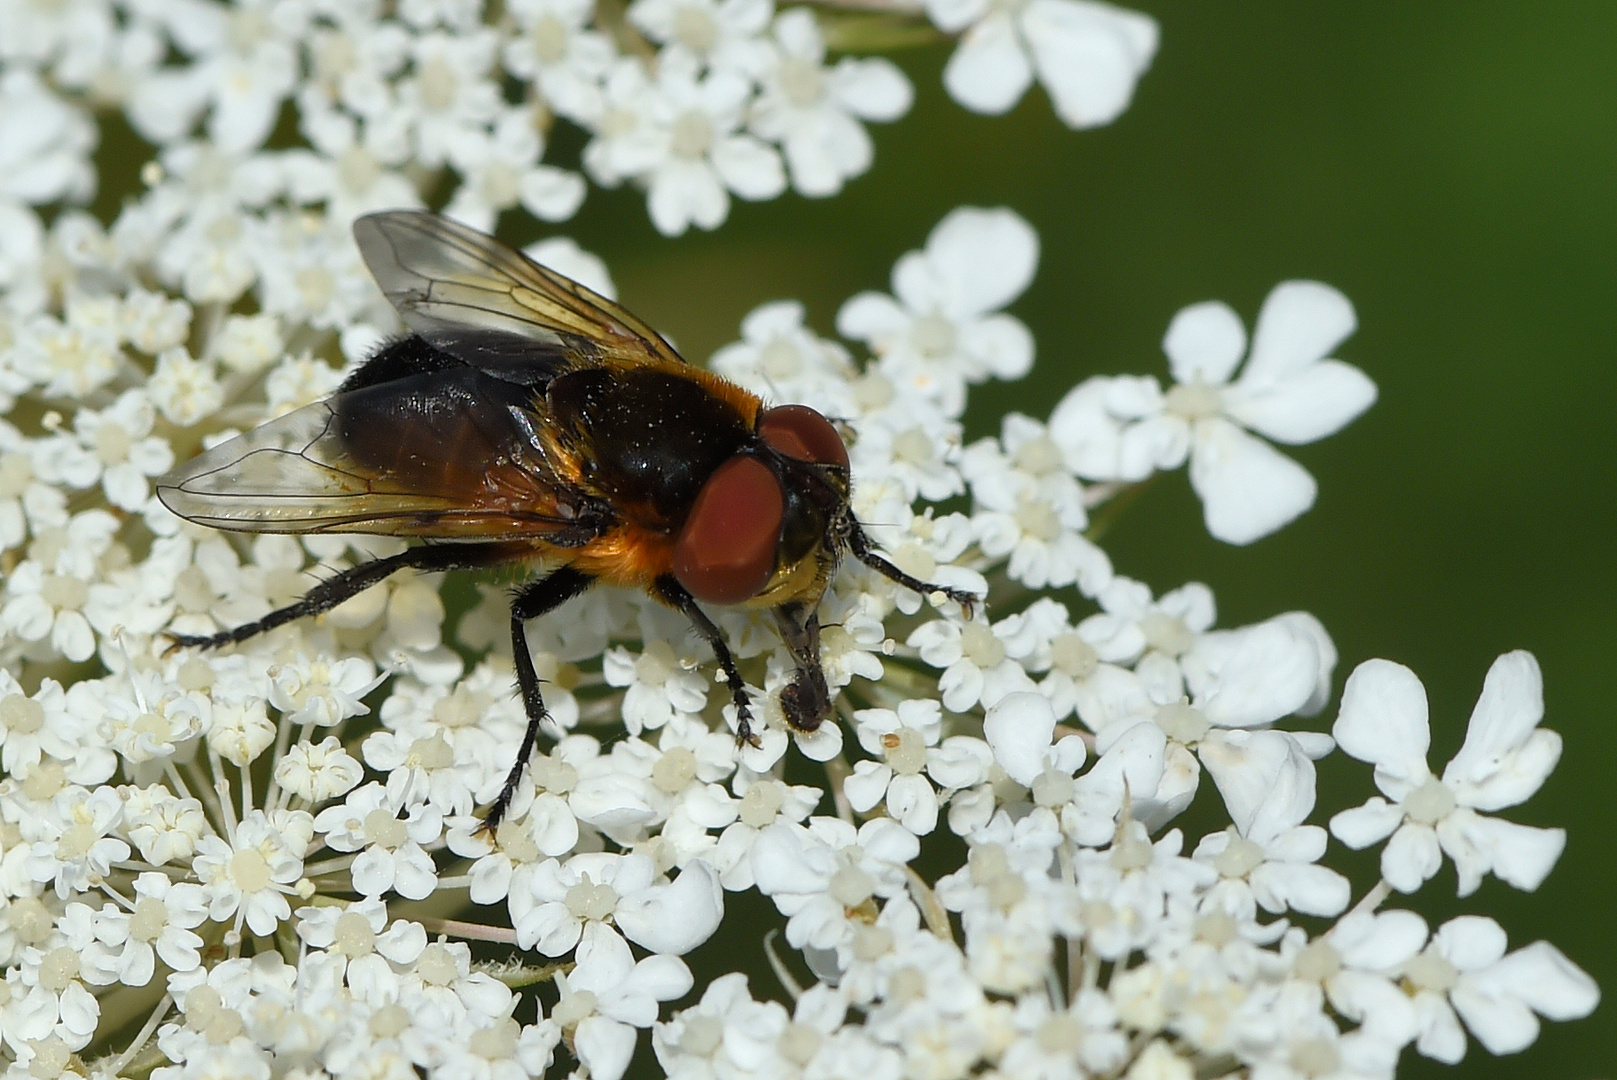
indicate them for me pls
(530, 602)
(334, 590)
(673, 594)
(806, 700)
(866, 553)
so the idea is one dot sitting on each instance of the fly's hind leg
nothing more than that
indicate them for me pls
(531, 601)
(428, 558)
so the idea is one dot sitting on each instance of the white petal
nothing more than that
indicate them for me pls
(983, 258)
(867, 784)
(1204, 343)
(1511, 706)
(604, 1046)
(749, 167)
(1519, 855)
(1247, 487)
(1411, 857)
(1266, 781)
(871, 316)
(988, 72)
(1001, 344)
(1088, 56)
(1470, 942)
(1541, 975)
(674, 918)
(1253, 676)
(1383, 718)
(913, 803)
(1018, 729)
(1315, 402)
(873, 88)
(1301, 322)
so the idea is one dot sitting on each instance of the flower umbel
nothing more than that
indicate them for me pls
(268, 859)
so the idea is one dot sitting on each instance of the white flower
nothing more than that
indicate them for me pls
(813, 112)
(900, 742)
(720, 35)
(1466, 971)
(501, 169)
(607, 995)
(556, 49)
(243, 65)
(249, 875)
(392, 852)
(1288, 391)
(45, 143)
(1505, 759)
(942, 327)
(701, 154)
(1088, 55)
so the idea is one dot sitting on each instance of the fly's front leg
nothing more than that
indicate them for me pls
(530, 602)
(806, 700)
(865, 552)
(672, 593)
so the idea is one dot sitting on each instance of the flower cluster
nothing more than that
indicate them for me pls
(268, 859)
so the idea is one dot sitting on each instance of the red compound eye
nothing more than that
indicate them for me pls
(728, 547)
(801, 433)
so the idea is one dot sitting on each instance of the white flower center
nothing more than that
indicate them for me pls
(357, 169)
(695, 29)
(552, 775)
(1194, 401)
(576, 1007)
(1073, 656)
(433, 752)
(591, 902)
(389, 1021)
(1183, 723)
(913, 447)
(58, 968)
(1430, 803)
(353, 935)
(675, 770)
(21, 715)
(761, 804)
(1061, 1034)
(1167, 634)
(1432, 973)
(799, 1043)
(980, 646)
(549, 37)
(933, 335)
(438, 83)
(148, 920)
(801, 81)
(501, 185)
(693, 134)
(851, 886)
(779, 359)
(16, 473)
(112, 443)
(249, 870)
(1317, 962)
(1216, 928)
(1239, 858)
(64, 593)
(702, 1035)
(1038, 456)
(1037, 520)
(498, 1041)
(906, 751)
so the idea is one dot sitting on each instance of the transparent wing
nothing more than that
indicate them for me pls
(445, 279)
(309, 471)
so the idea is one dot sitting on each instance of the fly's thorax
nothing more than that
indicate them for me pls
(648, 438)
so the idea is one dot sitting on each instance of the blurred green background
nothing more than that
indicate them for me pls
(1451, 168)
